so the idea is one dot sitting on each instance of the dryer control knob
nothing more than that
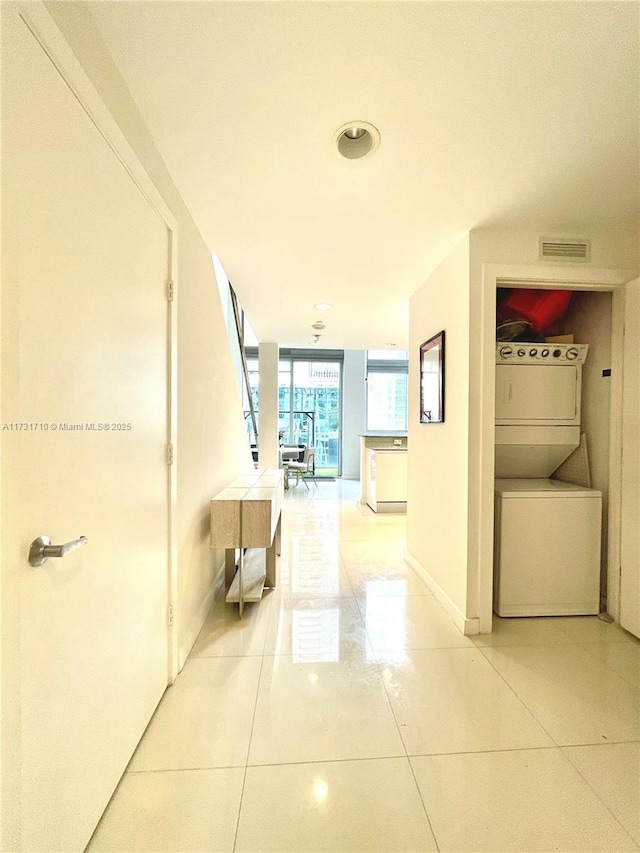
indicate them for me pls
(506, 352)
(572, 354)
(557, 353)
(533, 352)
(544, 353)
(522, 352)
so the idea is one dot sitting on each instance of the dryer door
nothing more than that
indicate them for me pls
(538, 394)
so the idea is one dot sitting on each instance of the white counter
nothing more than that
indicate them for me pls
(386, 480)
(394, 443)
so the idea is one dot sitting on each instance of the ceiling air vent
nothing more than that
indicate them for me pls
(565, 250)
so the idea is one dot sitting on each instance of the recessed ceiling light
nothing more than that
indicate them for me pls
(356, 139)
(323, 306)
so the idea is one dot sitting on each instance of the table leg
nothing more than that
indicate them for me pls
(272, 553)
(229, 566)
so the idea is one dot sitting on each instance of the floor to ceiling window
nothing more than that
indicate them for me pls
(309, 395)
(316, 389)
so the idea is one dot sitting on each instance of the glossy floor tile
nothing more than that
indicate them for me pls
(453, 700)
(539, 631)
(395, 623)
(346, 712)
(322, 712)
(311, 565)
(354, 531)
(204, 719)
(622, 658)
(334, 806)
(613, 771)
(177, 811)
(528, 800)
(315, 630)
(577, 699)
(587, 629)
(224, 634)
(373, 553)
(385, 580)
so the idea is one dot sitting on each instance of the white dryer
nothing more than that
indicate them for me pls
(538, 401)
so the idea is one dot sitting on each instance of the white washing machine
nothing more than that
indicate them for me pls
(547, 548)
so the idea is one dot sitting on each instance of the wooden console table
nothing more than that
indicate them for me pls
(247, 514)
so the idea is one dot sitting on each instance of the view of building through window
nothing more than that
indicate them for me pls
(309, 397)
(310, 400)
(387, 390)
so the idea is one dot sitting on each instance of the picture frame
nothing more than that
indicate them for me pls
(432, 380)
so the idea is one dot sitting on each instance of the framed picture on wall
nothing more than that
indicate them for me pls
(432, 380)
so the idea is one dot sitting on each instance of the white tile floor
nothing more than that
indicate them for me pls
(345, 712)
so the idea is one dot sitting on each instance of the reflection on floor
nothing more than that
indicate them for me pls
(347, 713)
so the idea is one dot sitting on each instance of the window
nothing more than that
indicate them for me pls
(387, 390)
(317, 390)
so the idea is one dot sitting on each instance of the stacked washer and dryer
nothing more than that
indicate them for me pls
(547, 532)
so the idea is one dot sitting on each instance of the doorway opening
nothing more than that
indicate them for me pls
(584, 318)
(589, 281)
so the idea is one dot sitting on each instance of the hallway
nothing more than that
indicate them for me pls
(347, 713)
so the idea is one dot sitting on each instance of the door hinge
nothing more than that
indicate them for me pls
(169, 454)
(170, 291)
(170, 614)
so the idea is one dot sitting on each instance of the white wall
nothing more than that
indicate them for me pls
(213, 447)
(438, 480)
(353, 411)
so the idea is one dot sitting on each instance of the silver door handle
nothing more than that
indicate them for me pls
(41, 549)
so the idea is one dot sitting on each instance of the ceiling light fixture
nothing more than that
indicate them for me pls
(323, 306)
(319, 325)
(356, 139)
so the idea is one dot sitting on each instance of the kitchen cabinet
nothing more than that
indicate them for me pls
(386, 481)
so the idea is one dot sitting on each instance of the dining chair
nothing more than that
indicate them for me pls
(305, 468)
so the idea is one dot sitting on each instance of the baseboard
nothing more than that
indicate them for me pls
(191, 634)
(469, 627)
(395, 507)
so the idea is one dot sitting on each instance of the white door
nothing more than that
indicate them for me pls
(630, 532)
(84, 337)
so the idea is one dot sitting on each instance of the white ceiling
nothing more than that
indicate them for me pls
(506, 114)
